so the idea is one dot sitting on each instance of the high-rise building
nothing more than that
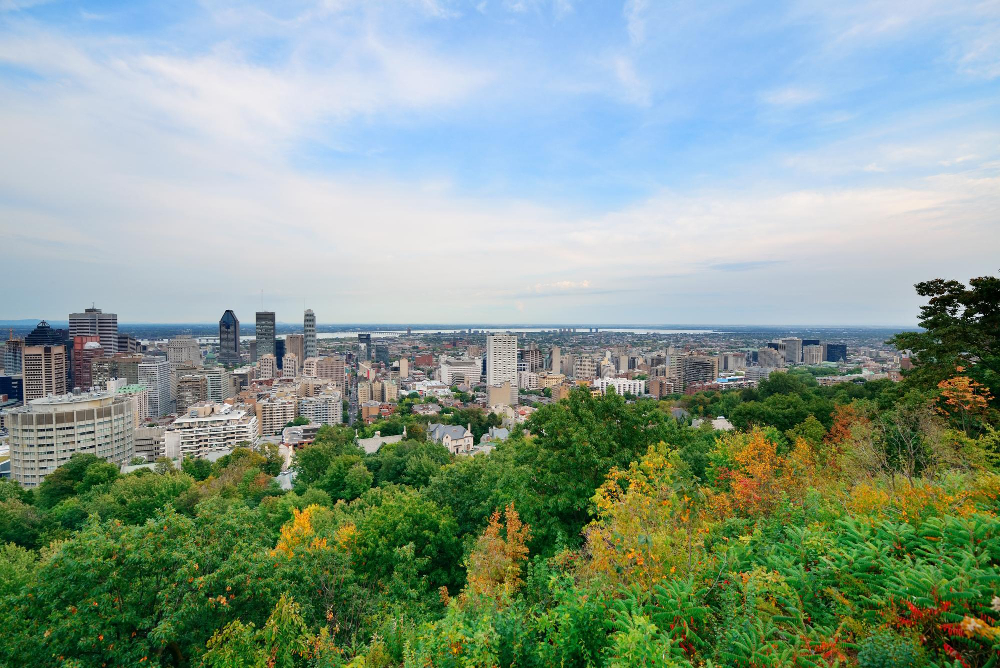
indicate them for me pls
(44, 371)
(12, 351)
(183, 349)
(219, 384)
(309, 332)
(265, 333)
(382, 351)
(279, 352)
(836, 352)
(289, 366)
(93, 322)
(229, 338)
(585, 367)
(126, 367)
(793, 350)
(501, 362)
(770, 358)
(128, 344)
(295, 344)
(812, 354)
(46, 432)
(691, 369)
(365, 344)
(86, 348)
(267, 367)
(155, 375)
(732, 361)
(555, 363)
(532, 356)
(191, 389)
(404, 367)
(44, 335)
(276, 412)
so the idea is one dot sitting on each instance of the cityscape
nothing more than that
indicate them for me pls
(500, 334)
(200, 397)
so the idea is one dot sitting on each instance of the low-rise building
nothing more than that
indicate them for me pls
(456, 438)
(622, 386)
(323, 408)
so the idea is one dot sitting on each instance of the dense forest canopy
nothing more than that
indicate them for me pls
(851, 525)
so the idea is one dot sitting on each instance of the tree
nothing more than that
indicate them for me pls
(961, 331)
(494, 565)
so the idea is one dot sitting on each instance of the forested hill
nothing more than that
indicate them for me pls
(853, 525)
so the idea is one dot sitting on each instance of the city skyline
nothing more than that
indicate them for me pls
(500, 162)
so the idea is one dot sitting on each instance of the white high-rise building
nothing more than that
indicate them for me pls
(267, 367)
(183, 349)
(620, 385)
(155, 374)
(309, 328)
(92, 322)
(46, 432)
(556, 363)
(220, 384)
(501, 362)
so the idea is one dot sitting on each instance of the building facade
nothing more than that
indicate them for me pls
(93, 322)
(309, 334)
(265, 333)
(46, 432)
(229, 338)
(501, 362)
(155, 375)
(323, 409)
(209, 429)
(44, 371)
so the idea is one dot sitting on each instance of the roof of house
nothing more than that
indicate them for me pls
(437, 432)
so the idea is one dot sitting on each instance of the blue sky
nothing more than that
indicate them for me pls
(497, 161)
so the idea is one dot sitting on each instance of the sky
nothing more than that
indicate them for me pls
(497, 161)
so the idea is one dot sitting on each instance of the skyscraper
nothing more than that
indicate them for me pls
(229, 338)
(309, 329)
(44, 335)
(44, 370)
(86, 349)
(12, 356)
(295, 345)
(155, 375)
(265, 333)
(93, 322)
(501, 362)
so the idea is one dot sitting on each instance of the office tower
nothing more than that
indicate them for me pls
(276, 412)
(149, 443)
(12, 351)
(93, 322)
(219, 384)
(382, 351)
(46, 432)
(44, 335)
(229, 338)
(309, 330)
(770, 358)
(793, 350)
(155, 375)
(126, 367)
(501, 362)
(13, 387)
(279, 352)
(128, 344)
(296, 345)
(44, 371)
(138, 394)
(404, 368)
(183, 350)
(253, 351)
(191, 389)
(836, 352)
(365, 344)
(812, 354)
(267, 367)
(86, 348)
(265, 333)
(732, 361)
(209, 429)
(555, 363)
(810, 342)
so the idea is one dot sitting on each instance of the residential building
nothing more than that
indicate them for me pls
(139, 394)
(661, 386)
(183, 350)
(44, 371)
(555, 361)
(93, 322)
(501, 362)
(265, 334)
(732, 361)
(329, 368)
(793, 350)
(365, 391)
(771, 358)
(229, 338)
(267, 367)
(128, 344)
(500, 395)
(457, 439)
(585, 368)
(155, 374)
(325, 408)
(274, 413)
(309, 335)
(533, 357)
(528, 380)
(454, 372)
(47, 431)
(692, 368)
(404, 368)
(621, 386)
(209, 429)
(219, 384)
(289, 365)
